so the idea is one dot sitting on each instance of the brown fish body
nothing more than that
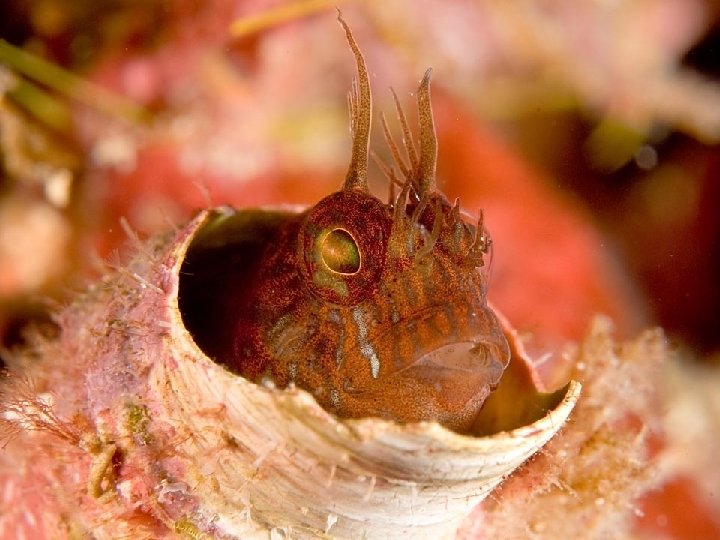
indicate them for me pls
(404, 333)
(377, 309)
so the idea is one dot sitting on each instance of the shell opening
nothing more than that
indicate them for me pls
(219, 260)
(223, 252)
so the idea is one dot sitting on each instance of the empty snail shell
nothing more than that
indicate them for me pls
(181, 404)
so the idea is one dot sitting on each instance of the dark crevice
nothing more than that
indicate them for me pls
(217, 270)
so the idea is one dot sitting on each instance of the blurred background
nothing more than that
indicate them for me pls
(586, 131)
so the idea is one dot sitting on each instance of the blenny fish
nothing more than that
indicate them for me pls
(376, 308)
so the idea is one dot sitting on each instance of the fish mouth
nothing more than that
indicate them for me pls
(479, 350)
(454, 369)
(481, 362)
(450, 382)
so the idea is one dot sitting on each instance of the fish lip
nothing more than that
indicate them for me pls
(473, 359)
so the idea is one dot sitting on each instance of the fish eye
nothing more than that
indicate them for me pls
(340, 252)
(342, 246)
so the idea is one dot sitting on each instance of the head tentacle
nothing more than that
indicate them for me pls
(428, 140)
(361, 118)
(394, 149)
(481, 243)
(407, 134)
(426, 250)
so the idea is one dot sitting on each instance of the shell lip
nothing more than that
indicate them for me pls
(563, 401)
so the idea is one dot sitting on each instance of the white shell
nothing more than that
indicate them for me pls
(264, 459)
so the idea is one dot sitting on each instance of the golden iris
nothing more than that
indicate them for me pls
(340, 252)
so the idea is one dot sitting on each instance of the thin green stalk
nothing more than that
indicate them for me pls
(48, 109)
(70, 85)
